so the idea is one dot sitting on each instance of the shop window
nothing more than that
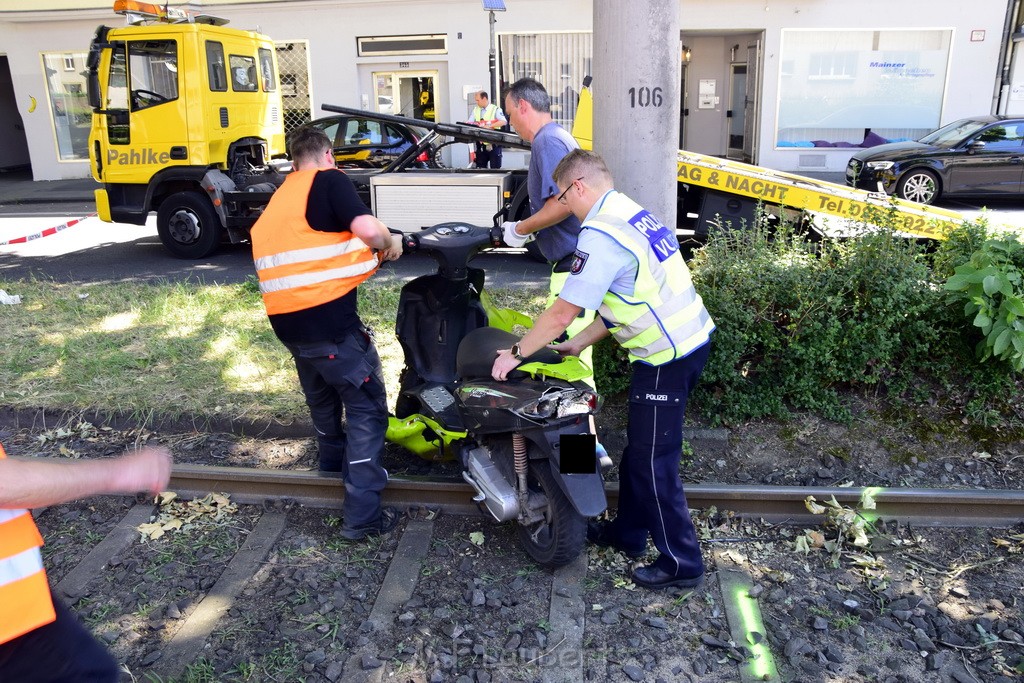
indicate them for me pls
(854, 88)
(69, 106)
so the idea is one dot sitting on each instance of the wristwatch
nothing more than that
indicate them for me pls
(517, 352)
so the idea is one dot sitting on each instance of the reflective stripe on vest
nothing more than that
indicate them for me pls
(488, 114)
(25, 602)
(485, 114)
(664, 319)
(300, 267)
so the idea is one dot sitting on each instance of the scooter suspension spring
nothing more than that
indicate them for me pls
(519, 452)
(520, 460)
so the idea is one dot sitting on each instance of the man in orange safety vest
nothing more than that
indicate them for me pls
(41, 641)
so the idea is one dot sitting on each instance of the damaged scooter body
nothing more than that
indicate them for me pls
(526, 445)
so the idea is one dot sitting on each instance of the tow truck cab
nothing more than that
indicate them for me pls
(185, 112)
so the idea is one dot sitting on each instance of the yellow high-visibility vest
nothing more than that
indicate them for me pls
(664, 319)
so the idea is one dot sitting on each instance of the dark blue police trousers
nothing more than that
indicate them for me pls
(651, 496)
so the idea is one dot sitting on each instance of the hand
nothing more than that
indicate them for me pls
(146, 470)
(503, 364)
(566, 348)
(393, 252)
(511, 237)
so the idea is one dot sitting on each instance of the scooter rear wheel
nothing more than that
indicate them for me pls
(558, 538)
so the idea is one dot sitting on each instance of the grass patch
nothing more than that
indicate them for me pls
(170, 350)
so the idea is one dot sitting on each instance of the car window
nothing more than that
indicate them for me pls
(953, 134)
(1001, 137)
(331, 129)
(362, 132)
(393, 135)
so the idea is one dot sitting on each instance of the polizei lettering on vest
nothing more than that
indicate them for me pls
(661, 239)
(657, 397)
(137, 157)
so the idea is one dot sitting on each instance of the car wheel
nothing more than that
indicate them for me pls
(188, 226)
(920, 185)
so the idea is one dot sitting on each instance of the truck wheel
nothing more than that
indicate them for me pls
(188, 226)
(558, 536)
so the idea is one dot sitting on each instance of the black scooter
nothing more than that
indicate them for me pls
(525, 445)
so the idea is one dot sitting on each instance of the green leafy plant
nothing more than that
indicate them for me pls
(992, 289)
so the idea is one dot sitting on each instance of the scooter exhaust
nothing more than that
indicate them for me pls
(493, 490)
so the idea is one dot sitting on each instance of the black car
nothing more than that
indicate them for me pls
(361, 142)
(978, 156)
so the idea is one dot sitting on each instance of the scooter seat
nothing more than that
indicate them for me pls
(478, 349)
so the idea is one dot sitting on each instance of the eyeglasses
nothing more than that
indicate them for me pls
(561, 197)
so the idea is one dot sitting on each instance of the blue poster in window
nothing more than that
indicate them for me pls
(662, 240)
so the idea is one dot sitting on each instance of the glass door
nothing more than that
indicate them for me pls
(737, 111)
(405, 93)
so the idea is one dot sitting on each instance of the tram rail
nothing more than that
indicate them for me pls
(777, 504)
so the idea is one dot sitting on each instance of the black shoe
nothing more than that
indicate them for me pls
(389, 518)
(654, 577)
(600, 533)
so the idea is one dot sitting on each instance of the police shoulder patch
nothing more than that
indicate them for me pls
(579, 259)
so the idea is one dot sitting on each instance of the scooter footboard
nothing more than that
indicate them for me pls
(575, 465)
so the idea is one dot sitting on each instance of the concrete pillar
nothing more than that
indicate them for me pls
(636, 98)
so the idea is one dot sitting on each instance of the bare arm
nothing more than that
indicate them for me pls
(591, 334)
(549, 325)
(371, 231)
(32, 484)
(552, 212)
(375, 235)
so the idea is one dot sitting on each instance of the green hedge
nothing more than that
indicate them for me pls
(801, 322)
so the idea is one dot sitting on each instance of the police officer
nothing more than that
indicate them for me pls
(487, 115)
(627, 265)
(313, 245)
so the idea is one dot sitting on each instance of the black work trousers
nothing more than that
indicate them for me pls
(345, 379)
(62, 651)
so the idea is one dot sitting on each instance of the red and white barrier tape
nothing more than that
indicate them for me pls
(45, 233)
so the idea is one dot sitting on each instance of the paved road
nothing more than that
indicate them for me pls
(95, 252)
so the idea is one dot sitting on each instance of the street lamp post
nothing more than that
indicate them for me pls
(492, 6)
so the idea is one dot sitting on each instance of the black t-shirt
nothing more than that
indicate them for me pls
(332, 206)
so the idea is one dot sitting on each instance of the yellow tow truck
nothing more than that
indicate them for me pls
(187, 121)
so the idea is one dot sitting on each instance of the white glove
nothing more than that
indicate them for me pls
(513, 238)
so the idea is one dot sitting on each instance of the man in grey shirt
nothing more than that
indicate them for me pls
(550, 223)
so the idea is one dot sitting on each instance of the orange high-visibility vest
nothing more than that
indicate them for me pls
(300, 267)
(25, 602)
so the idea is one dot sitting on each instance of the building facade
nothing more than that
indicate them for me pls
(796, 85)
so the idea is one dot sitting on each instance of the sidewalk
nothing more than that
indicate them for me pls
(17, 187)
